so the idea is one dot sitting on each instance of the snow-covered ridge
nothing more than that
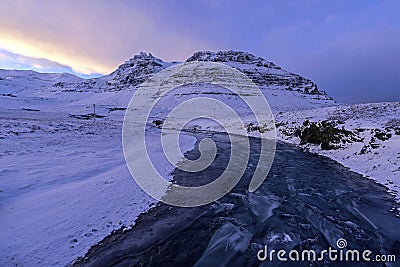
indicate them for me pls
(46, 77)
(232, 56)
(264, 73)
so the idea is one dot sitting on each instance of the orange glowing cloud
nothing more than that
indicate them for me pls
(88, 36)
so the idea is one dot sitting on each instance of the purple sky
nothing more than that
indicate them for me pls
(350, 48)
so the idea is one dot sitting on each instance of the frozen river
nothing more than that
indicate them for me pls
(307, 202)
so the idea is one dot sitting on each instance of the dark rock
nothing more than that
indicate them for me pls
(326, 134)
(158, 123)
(251, 128)
(381, 135)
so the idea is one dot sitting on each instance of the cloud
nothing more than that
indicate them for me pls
(9, 60)
(88, 36)
(21, 60)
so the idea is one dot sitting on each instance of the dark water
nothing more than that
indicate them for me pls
(306, 202)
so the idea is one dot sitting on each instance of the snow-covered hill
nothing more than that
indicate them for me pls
(64, 182)
(363, 137)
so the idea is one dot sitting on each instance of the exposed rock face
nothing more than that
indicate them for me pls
(232, 56)
(264, 73)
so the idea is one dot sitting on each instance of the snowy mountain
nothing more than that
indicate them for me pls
(264, 73)
(284, 90)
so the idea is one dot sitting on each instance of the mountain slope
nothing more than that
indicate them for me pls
(284, 90)
(264, 73)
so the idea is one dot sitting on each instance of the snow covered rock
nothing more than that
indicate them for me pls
(264, 73)
(138, 69)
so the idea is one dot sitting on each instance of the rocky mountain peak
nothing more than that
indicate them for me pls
(142, 61)
(138, 68)
(232, 57)
(143, 56)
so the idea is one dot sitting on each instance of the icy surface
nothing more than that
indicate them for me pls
(224, 245)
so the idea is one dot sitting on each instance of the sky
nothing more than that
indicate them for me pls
(351, 49)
